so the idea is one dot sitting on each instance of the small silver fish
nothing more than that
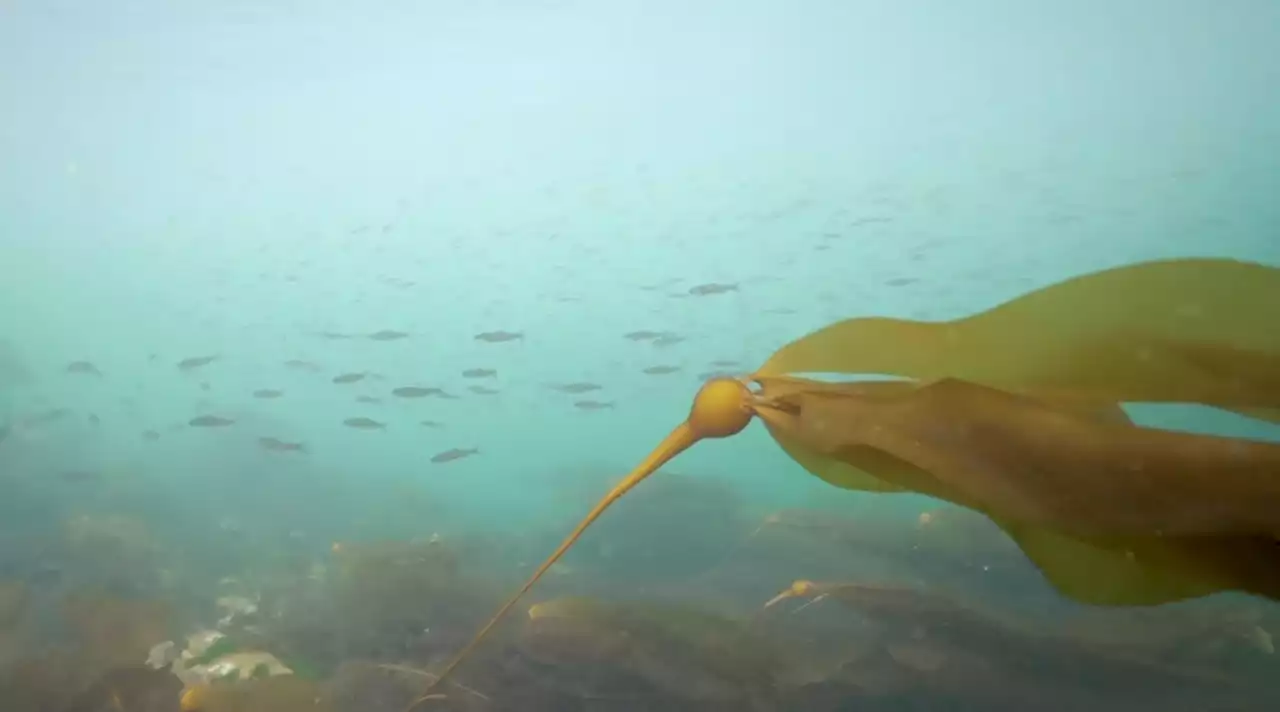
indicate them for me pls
(210, 421)
(643, 335)
(577, 387)
(660, 370)
(83, 368)
(706, 290)
(419, 392)
(454, 454)
(497, 337)
(593, 405)
(194, 362)
(267, 393)
(364, 424)
(277, 445)
(858, 222)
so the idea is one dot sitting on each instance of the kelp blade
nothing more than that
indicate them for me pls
(1152, 570)
(1167, 515)
(1187, 330)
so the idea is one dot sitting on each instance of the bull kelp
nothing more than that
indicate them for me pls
(1016, 413)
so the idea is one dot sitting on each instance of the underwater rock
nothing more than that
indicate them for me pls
(245, 665)
(285, 693)
(233, 608)
(211, 656)
(162, 655)
(199, 643)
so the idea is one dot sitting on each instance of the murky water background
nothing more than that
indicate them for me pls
(321, 323)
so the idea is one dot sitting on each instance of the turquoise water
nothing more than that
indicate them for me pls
(186, 179)
(239, 179)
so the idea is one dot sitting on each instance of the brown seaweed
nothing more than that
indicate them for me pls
(375, 582)
(115, 631)
(1015, 412)
(931, 631)
(680, 651)
(1182, 330)
(1111, 513)
(129, 688)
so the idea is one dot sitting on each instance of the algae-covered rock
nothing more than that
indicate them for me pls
(677, 651)
(286, 693)
(114, 631)
(131, 688)
(211, 656)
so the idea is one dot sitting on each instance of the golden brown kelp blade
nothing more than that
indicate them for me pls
(1165, 515)
(719, 410)
(1151, 570)
(1187, 330)
(1023, 460)
(854, 470)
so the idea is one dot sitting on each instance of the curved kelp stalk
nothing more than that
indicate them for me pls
(1015, 413)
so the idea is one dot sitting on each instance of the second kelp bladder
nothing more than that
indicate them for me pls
(1016, 413)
